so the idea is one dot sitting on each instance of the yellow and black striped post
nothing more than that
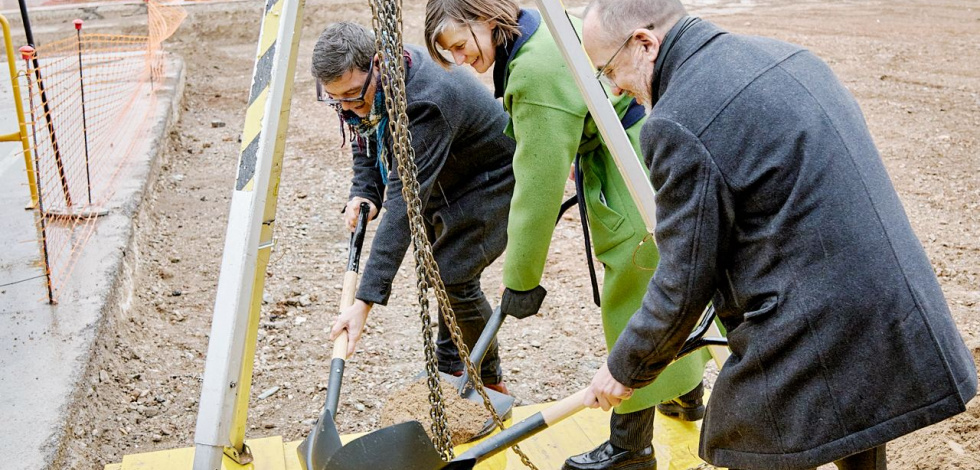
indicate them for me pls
(223, 406)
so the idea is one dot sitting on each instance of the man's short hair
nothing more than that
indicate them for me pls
(341, 48)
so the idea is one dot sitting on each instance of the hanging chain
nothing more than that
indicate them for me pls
(387, 21)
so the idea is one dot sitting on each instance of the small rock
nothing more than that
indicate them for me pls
(359, 407)
(268, 393)
(103, 376)
(178, 177)
(957, 448)
(215, 123)
(300, 320)
(156, 438)
(266, 298)
(304, 301)
(535, 344)
(176, 293)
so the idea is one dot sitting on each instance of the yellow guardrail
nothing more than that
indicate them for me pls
(21, 134)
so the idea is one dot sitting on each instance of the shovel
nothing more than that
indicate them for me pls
(324, 439)
(407, 446)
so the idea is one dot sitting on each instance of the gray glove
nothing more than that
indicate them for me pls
(522, 304)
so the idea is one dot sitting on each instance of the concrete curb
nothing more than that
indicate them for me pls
(45, 376)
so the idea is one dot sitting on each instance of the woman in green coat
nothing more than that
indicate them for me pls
(551, 124)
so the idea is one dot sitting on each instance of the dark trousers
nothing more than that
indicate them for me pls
(632, 431)
(871, 459)
(472, 311)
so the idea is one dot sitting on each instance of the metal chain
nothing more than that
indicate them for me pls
(387, 21)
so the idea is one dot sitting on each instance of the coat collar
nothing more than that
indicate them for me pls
(683, 40)
(528, 22)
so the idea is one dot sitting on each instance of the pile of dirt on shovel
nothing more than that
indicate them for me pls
(466, 418)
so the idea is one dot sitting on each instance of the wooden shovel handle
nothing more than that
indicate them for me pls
(565, 407)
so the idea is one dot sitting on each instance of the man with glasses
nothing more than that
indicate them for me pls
(465, 180)
(774, 205)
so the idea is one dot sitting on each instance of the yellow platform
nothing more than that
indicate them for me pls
(676, 444)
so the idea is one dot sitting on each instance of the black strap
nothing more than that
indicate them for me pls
(565, 206)
(580, 195)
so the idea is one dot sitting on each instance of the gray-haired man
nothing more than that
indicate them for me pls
(464, 173)
(774, 205)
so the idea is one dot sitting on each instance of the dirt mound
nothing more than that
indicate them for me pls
(466, 418)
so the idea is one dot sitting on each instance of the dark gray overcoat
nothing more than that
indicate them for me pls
(465, 175)
(773, 203)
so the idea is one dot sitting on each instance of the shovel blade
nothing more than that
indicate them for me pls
(404, 446)
(324, 441)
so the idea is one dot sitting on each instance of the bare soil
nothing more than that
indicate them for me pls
(465, 418)
(911, 64)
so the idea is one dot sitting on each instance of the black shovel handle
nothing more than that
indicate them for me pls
(482, 345)
(524, 429)
(566, 407)
(697, 340)
(346, 300)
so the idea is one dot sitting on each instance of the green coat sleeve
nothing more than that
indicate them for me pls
(547, 141)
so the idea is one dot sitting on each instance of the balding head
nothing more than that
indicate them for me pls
(612, 20)
(623, 38)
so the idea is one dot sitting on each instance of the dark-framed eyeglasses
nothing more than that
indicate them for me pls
(603, 74)
(324, 97)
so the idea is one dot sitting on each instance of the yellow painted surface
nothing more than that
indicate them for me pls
(676, 444)
(268, 454)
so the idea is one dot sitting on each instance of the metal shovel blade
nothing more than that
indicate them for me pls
(502, 404)
(323, 441)
(404, 446)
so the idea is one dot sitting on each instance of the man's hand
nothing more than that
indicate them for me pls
(605, 392)
(352, 320)
(353, 210)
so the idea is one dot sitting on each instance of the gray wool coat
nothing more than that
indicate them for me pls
(465, 178)
(773, 203)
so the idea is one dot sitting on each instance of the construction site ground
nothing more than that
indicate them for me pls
(911, 64)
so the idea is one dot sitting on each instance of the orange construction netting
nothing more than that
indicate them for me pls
(89, 100)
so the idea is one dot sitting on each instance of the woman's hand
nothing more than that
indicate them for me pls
(352, 320)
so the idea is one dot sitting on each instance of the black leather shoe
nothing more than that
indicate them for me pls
(687, 407)
(607, 457)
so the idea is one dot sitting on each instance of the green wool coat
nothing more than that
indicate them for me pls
(551, 124)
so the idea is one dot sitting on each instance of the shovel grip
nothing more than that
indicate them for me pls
(346, 300)
(526, 428)
(565, 407)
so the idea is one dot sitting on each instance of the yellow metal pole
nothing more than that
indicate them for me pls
(19, 106)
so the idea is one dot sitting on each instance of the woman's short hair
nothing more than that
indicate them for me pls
(440, 14)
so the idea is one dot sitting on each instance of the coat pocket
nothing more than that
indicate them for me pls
(608, 226)
(767, 308)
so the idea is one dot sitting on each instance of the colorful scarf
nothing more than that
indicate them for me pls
(375, 123)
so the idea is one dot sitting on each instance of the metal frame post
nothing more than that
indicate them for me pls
(81, 86)
(634, 173)
(27, 52)
(29, 34)
(21, 135)
(248, 242)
